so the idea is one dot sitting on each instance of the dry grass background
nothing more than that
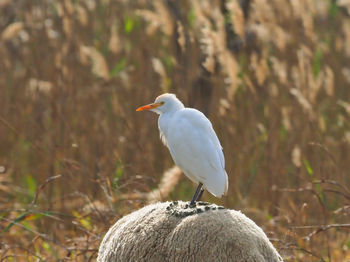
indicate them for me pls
(273, 76)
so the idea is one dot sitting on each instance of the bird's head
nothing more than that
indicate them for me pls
(163, 103)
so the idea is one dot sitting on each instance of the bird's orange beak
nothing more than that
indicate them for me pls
(149, 106)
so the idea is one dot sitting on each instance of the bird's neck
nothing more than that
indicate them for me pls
(165, 117)
(163, 122)
(173, 107)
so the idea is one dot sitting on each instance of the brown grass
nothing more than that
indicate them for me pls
(273, 77)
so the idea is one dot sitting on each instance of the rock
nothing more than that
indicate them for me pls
(175, 231)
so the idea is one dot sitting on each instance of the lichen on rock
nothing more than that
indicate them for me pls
(183, 209)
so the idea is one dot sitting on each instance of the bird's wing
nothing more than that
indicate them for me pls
(200, 122)
(195, 147)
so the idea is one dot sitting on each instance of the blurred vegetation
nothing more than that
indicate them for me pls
(273, 77)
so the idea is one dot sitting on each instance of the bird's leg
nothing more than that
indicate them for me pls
(195, 196)
(200, 195)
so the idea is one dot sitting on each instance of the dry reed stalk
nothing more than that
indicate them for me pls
(297, 8)
(201, 19)
(286, 111)
(273, 90)
(181, 40)
(259, 67)
(329, 81)
(169, 180)
(12, 30)
(59, 8)
(5, 181)
(115, 44)
(67, 26)
(232, 69)
(344, 105)
(307, 15)
(346, 32)
(304, 78)
(262, 12)
(315, 84)
(264, 23)
(82, 15)
(282, 9)
(261, 31)
(347, 137)
(208, 49)
(247, 81)
(280, 70)
(224, 106)
(236, 17)
(300, 73)
(167, 23)
(36, 86)
(99, 64)
(226, 59)
(322, 8)
(345, 4)
(69, 7)
(322, 124)
(158, 67)
(346, 74)
(296, 156)
(152, 18)
(305, 104)
(160, 18)
(96, 207)
(281, 37)
(4, 3)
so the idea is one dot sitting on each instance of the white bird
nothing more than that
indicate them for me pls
(192, 143)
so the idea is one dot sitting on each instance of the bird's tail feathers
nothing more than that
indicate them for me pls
(226, 186)
(219, 187)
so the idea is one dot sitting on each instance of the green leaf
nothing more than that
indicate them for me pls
(308, 168)
(118, 67)
(25, 145)
(169, 61)
(317, 62)
(128, 25)
(283, 132)
(17, 220)
(240, 75)
(320, 192)
(117, 174)
(333, 9)
(318, 188)
(31, 185)
(27, 216)
(33, 216)
(26, 225)
(191, 17)
(84, 221)
(47, 246)
(269, 217)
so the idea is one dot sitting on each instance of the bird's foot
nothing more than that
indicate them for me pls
(192, 203)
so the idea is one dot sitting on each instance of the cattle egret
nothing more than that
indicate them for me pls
(192, 143)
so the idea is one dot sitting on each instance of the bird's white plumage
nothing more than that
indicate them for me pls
(192, 143)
